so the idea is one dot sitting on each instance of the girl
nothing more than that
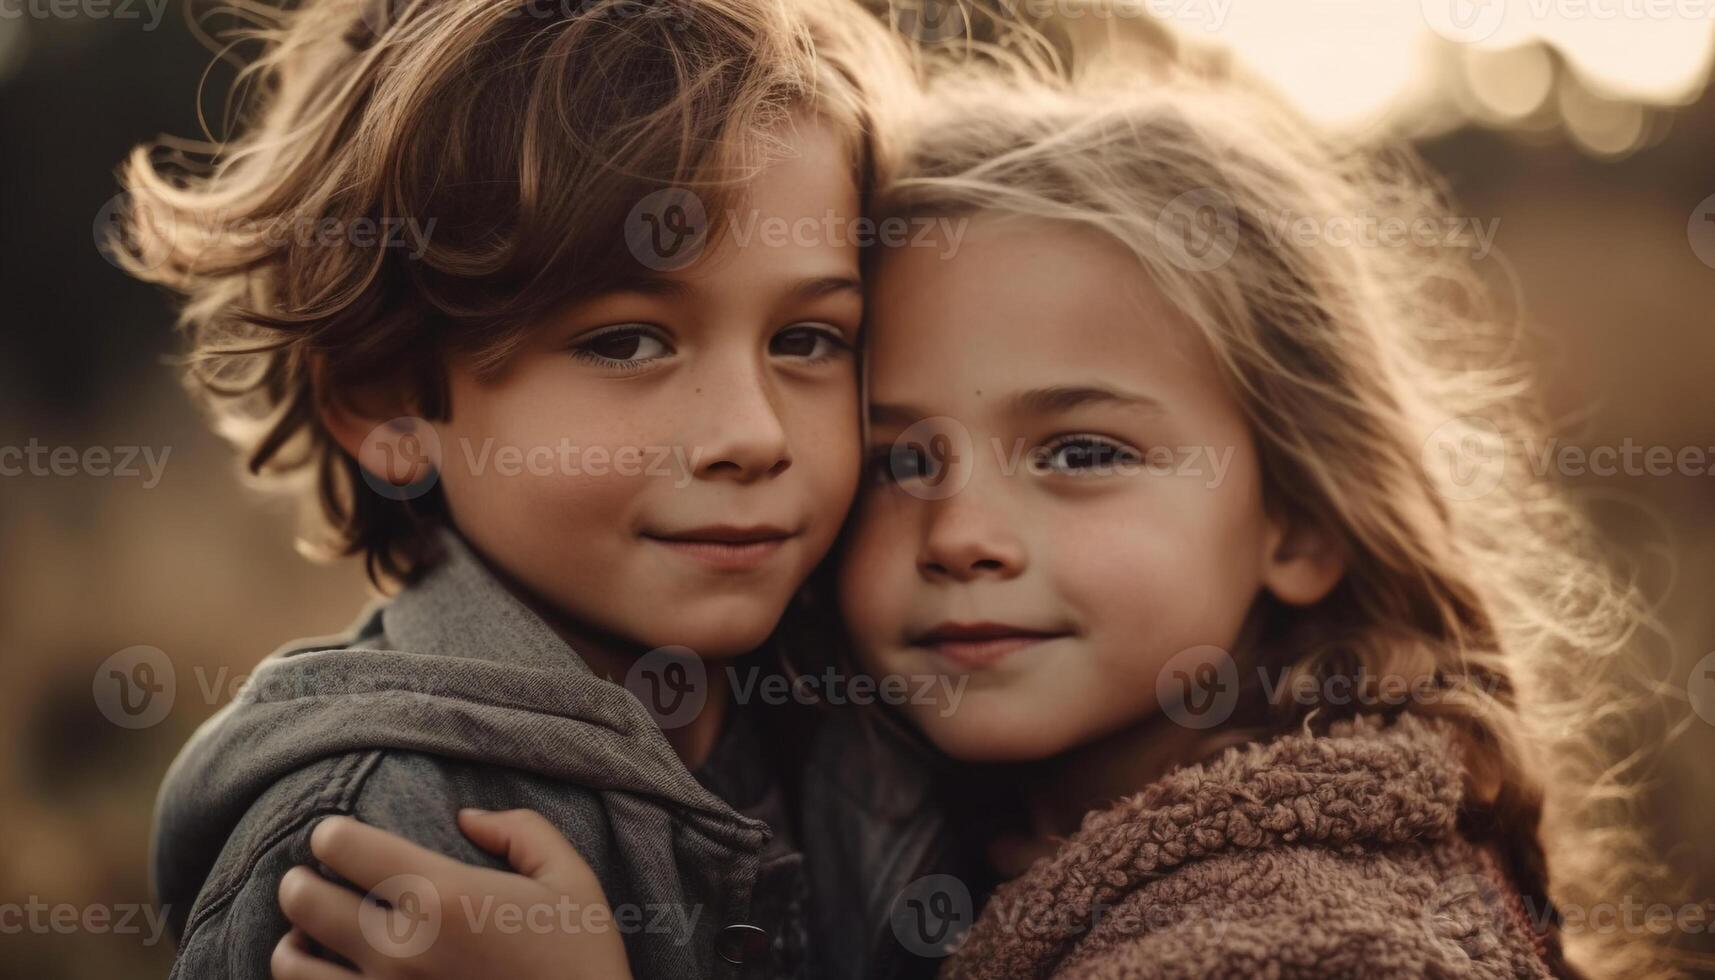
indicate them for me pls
(1268, 672)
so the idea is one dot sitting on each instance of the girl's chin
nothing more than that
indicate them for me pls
(991, 740)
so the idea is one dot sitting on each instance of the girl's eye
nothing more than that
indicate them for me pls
(624, 346)
(1086, 455)
(896, 464)
(810, 343)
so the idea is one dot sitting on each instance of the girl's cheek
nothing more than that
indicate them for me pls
(1131, 565)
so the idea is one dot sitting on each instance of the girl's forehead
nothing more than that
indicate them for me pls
(1027, 303)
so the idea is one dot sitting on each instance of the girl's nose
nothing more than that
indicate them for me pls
(966, 541)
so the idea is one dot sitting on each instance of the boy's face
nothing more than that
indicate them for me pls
(689, 450)
(1073, 565)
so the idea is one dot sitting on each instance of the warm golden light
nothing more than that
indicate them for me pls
(1357, 63)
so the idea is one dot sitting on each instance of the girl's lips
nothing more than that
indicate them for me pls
(980, 645)
(736, 556)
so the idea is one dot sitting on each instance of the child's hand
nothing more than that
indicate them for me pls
(427, 915)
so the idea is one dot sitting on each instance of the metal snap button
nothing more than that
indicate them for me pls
(742, 942)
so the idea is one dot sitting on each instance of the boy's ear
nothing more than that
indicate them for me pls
(375, 427)
(1301, 562)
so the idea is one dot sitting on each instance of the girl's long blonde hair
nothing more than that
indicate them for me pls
(1386, 400)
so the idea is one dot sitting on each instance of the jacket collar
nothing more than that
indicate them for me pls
(1362, 783)
(461, 608)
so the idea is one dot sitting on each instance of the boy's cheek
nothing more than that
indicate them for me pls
(872, 566)
(532, 523)
(829, 443)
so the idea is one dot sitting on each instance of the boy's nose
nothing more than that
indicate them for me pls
(747, 440)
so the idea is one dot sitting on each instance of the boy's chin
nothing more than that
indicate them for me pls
(716, 637)
(723, 649)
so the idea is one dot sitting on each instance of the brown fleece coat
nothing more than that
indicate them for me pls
(1307, 856)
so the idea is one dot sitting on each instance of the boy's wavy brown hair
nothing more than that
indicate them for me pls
(418, 180)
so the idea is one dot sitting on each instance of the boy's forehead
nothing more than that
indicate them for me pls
(810, 172)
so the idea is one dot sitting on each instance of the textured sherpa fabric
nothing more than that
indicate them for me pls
(1333, 855)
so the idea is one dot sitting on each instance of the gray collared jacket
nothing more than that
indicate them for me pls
(452, 694)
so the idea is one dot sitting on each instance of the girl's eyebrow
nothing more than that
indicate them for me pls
(1041, 401)
(1064, 398)
(901, 415)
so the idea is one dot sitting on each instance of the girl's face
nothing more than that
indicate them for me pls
(1090, 503)
(668, 463)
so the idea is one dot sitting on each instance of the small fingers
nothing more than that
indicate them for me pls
(366, 856)
(292, 960)
(534, 847)
(325, 912)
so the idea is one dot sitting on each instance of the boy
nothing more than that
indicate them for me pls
(576, 297)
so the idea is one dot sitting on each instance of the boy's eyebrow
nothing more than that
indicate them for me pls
(827, 285)
(806, 289)
(653, 286)
(1042, 401)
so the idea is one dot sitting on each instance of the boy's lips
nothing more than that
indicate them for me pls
(978, 645)
(725, 546)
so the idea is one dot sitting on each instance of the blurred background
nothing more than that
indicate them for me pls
(1581, 131)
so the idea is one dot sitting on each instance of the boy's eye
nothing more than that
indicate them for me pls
(1085, 455)
(627, 345)
(812, 343)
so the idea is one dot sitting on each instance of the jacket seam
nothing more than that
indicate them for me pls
(611, 727)
(334, 795)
